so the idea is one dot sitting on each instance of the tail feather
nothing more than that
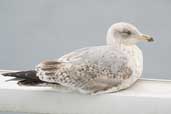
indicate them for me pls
(28, 75)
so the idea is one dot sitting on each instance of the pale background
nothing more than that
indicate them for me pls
(34, 30)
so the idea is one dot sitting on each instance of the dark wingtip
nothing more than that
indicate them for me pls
(9, 73)
(31, 74)
(6, 74)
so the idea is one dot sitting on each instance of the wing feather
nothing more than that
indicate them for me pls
(78, 70)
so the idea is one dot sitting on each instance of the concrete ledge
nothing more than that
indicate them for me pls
(145, 97)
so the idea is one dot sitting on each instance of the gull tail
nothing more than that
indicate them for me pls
(26, 77)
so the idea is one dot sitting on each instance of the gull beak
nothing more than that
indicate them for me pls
(146, 38)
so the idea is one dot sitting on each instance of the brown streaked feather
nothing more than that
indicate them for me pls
(49, 68)
(49, 62)
(124, 72)
(49, 65)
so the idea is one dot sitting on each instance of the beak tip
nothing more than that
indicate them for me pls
(151, 39)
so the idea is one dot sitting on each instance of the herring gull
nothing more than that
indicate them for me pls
(93, 70)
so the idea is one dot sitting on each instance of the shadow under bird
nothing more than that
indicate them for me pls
(93, 70)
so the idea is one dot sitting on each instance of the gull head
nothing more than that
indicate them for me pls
(125, 33)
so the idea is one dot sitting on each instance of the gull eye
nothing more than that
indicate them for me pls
(127, 32)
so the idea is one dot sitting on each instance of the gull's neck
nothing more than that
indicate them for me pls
(110, 40)
(109, 37)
